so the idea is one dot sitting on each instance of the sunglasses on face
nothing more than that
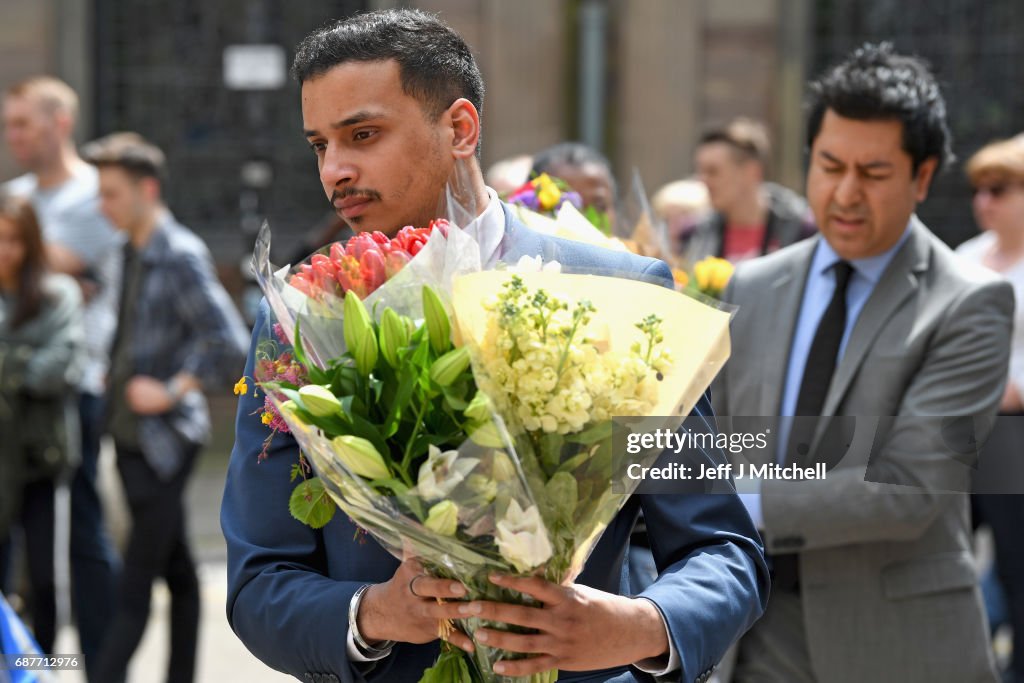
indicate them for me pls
(994, 191)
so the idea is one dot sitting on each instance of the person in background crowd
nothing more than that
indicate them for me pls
(872, 569)
(509, 174)
(177, 332)
(682, 204)
(586, 171)
(996, 172)
(39, 120)
(41, 344)
(751, 217)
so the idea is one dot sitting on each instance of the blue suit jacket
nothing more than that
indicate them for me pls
(289, 586)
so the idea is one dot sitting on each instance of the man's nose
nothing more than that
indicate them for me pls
(848, 191)
(337, 169)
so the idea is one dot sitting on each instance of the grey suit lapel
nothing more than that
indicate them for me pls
(780, 324)
(898, 283)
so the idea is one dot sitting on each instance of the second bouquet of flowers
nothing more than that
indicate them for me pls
(464, 416)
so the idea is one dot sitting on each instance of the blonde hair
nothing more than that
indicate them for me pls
(1003, 160)
(688, 197)
(52, 93)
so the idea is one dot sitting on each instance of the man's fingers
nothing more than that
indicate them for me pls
(518, 615)
(525, 667)
(423, 586)
(526, 643)
(461, 641)
(534, 586)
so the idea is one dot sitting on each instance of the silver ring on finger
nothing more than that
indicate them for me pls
(412, 585)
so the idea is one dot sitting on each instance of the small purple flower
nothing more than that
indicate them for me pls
(573, 198)
(527, 199)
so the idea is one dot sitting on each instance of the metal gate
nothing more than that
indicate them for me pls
(234, 156)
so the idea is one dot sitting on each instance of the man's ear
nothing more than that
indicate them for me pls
(923, 179)
(465, 122)
(150, 188)
(64, 124)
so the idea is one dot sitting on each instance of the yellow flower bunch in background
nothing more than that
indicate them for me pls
(709, 277)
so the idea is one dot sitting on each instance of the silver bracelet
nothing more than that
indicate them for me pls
(353, 612)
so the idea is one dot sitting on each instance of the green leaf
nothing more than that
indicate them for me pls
(360, 426)
(561, 490)
(310, 503)
(455, 399)
(575, 461)
(551, 452)
(400, 402)
(315, 374)
(601, 430)
(450, 667)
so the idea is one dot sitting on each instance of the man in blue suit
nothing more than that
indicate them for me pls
(390, 104)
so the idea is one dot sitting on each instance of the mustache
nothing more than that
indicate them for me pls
(855, 213)
(354, 192)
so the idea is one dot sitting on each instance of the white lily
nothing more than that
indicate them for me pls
(522, 538)
(442, 472)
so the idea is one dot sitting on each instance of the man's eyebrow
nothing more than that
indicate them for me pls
(358, 117)
(871, 165)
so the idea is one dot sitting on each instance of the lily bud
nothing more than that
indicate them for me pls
(485, 487)
(443, 518)
(486, 434)
(359, 336)
(439, 328)
(288, 408)
(502, 468)
(394, 335)
(479, 409)
(450, 366)
(319, 400)
(361, 457)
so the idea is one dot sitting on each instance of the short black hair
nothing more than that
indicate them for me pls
(130, 152)
(436, 65)
(574, 154)
(876, 83)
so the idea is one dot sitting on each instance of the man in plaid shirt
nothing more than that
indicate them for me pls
(177, 332)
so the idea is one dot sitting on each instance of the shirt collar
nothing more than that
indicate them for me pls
(488, 229)
(870, 268)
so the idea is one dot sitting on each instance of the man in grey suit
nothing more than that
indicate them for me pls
(872, 575)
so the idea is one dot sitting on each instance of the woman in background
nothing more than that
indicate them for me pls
(997, 173)
(40, 342)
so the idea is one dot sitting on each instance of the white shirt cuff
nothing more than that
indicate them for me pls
(356, 655)
(655, 666)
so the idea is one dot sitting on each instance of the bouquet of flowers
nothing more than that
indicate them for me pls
(465, 416)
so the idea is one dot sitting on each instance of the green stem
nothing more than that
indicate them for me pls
(407, 456)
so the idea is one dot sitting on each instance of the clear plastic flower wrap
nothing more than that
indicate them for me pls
(463, 416)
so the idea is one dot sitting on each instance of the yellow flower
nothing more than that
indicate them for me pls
(712, 274)
(267, 417)
(548, 193)
(241, 387)
(681, 277)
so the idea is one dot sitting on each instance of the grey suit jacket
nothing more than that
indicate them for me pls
(888, 588)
